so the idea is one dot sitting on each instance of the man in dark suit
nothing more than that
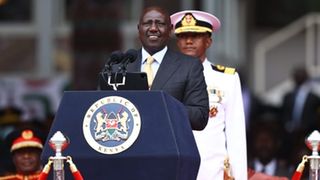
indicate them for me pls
(179, 75)
(301, 105)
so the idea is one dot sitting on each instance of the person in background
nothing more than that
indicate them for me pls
(300, 108)
(301, 105)
(265, 141)
(225, 134)
(25, 148)
(178, 75)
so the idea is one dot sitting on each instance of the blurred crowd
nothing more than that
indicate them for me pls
(26, 103)
(275, 134)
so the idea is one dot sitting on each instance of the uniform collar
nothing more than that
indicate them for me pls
(206, 65)
(206, 62)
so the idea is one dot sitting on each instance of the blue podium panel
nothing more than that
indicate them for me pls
(162, 148)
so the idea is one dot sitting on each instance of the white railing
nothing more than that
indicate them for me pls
(310, 24)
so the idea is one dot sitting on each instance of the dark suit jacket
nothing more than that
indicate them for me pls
(182, 77)
(309, 111)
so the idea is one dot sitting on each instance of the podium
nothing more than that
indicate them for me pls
(163, 147)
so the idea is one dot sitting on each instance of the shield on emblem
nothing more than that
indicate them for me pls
(112, 123)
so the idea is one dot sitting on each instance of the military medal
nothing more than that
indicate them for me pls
(213, 111)
(215, 98)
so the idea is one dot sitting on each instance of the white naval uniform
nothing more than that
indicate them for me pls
(225, 133)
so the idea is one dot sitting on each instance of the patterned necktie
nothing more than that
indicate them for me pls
(148, 70)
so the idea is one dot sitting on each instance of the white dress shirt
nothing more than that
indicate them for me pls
(158, 57)
(269, 169)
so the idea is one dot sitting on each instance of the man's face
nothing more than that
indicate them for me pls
(194, 44)
(27, 160)
(264, 146)
(154, 30)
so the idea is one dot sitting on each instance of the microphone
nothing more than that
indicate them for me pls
(129, 57)
(115, 58)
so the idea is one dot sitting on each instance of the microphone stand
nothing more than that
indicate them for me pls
(123, 71)
(129, 57)
(114, 85)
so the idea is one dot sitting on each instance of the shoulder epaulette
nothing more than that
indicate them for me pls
(223, 69)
